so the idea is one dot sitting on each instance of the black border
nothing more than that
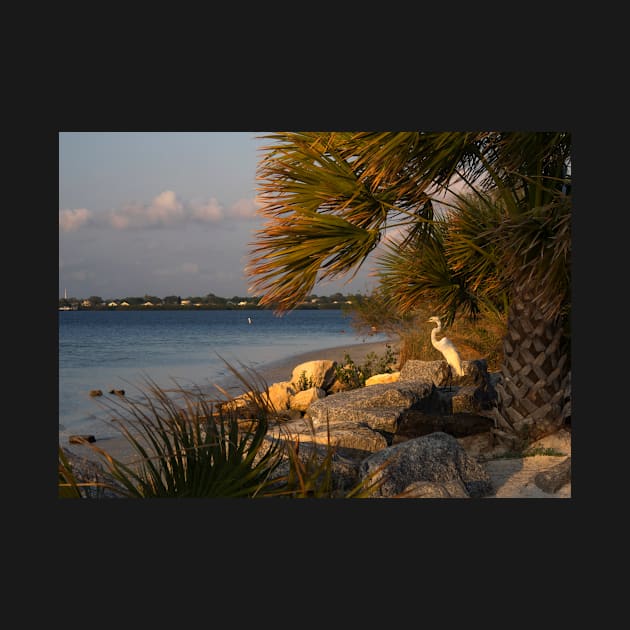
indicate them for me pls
(327, 533)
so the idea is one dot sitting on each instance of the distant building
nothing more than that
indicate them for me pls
(185, 302)
(148, 303)
(113, 303)
(124, 303)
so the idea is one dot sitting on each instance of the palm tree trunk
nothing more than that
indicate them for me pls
(534, 392)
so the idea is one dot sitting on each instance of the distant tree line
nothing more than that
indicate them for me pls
(209, 301)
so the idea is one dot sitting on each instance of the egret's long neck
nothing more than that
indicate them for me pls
(434, 334)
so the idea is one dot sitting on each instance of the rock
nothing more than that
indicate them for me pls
(382, 378)
(117, 392)
(279, 395)
(81, 439)
(436, 457)
(553, 479)
(96, 392)
(344, 471)
(482, 446)
(435, 372)
(359, 440)
(317, 373)
(378, 406)
(301, 400)
(432, 490)
(464, 400)
(414, 423)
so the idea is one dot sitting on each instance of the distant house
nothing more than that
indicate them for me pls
(86, 303)
(124, 303)
(113, 303)
(148, 303)
(243, 303)
(185, 302)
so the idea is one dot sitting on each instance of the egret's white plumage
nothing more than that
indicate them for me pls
(446, 347)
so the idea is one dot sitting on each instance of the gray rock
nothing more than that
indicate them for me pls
(432, 490)
(414, 423)
(349, 436)
(344, 471)
(437, 372)
(553, 479)
(378, 406)
(437, 457)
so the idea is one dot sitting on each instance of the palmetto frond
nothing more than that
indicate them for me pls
(327, 197)
(294, 251)
(416, 272)
(537, 247)
(471, 244)
(324, 214)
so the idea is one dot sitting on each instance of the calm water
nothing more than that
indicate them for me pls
(116, 349)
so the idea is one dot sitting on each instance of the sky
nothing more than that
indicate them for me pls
(162, 213)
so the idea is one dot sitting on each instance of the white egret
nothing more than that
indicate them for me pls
(448, 350)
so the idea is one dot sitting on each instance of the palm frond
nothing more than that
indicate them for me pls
(293, 251)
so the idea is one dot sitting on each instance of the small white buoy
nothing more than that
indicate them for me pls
(249, 320)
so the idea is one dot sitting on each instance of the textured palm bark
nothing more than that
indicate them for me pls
(534, 395)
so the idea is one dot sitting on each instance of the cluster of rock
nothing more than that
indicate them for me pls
(417, 432)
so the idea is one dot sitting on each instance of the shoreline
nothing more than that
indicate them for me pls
(273, 372)
(281, 369)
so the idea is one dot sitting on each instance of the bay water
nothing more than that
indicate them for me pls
(117, 350)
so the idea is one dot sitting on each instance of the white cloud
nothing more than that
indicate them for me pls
(72, 220)
(244, 208)
(164, 210)
(210, 211)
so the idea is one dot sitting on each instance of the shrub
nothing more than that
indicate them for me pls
(303, 382)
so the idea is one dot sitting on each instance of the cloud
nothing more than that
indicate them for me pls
(210, 211)
(165, 210)
(72, 220)
(244, 208)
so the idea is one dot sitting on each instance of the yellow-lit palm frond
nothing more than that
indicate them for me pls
(292, 250)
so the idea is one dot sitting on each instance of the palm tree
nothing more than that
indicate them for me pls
(483, 218)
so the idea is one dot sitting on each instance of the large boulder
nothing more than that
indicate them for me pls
(355, 440)
(475, 372)
(319, 373)
(437, 457)
(379, 406)
(435, 372)
(473, 392)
